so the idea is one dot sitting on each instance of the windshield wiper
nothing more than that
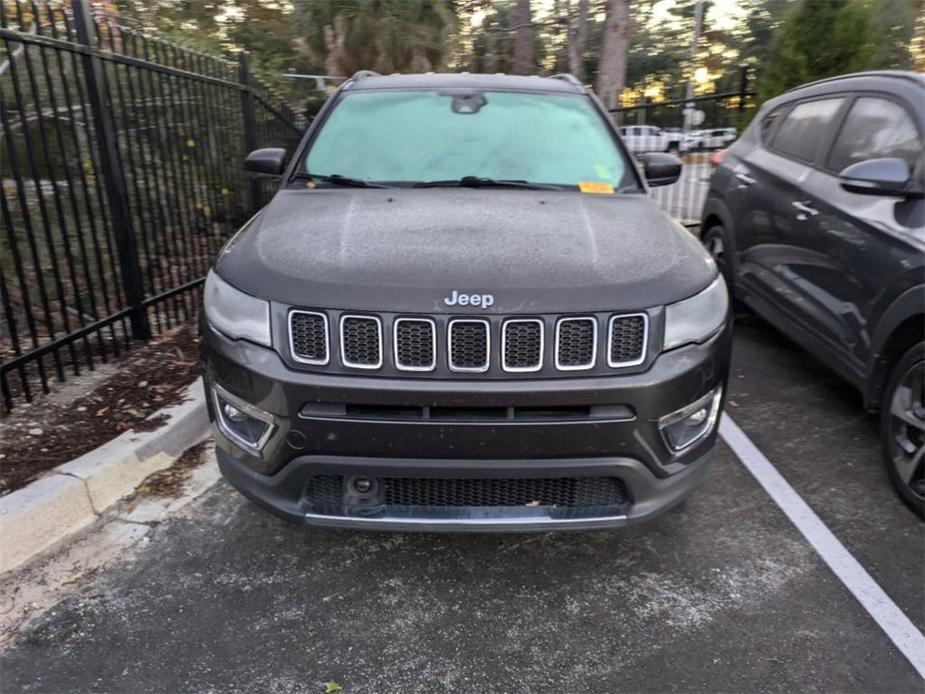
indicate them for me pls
(482, 182)
(339, 180)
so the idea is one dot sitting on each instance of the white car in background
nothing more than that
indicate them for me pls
(645, 138)
(651, 138)
(681, 141)
(718, 138)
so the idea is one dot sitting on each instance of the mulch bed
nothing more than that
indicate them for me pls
(170, 482)
(47, 433)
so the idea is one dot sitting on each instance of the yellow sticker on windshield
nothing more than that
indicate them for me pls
(595, 187)
(602, 171)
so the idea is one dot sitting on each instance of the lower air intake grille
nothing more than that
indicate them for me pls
(627, 340)
(562, 492)
(523, 345)
(558, 491)
(414, 344)
(309, 333)
(576, 343)
(469, 345)
(325, 489)
(361, 342)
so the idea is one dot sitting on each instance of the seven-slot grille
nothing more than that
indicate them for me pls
(361, 342)
(308, 335)
(469, 340)
(522, 345)
(416, 342)
(627, 340)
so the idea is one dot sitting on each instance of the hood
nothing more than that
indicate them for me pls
(404, 250)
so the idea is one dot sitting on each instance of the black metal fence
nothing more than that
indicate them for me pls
(695, 129)
(120, 178)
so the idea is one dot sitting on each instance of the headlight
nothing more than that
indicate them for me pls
(234, 313)
(697, 318)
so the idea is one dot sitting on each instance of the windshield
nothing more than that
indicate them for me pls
(407, 137)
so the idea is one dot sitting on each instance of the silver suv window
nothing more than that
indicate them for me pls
(801, 131)
(875, 128)
(767, 124)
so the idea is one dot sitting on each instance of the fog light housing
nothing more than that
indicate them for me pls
(685, 427)
(234, 414)
(248, 426)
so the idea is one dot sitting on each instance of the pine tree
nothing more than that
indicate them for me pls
(822, 38)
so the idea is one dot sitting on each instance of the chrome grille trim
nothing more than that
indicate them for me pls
(327, 338)
(343, 356)
(645, 340)
(449, 342)
(311, 333)
(522, 369)
(433, 336)
(576, 367)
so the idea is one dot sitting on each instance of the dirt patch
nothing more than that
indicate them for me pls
(37, 437)
(169, 483)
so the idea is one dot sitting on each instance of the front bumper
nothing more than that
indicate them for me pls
(315, 434)
(283, 493)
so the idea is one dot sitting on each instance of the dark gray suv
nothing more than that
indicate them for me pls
(816, 216)
(463, 311)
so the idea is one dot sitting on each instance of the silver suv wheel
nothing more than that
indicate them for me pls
(903, 420)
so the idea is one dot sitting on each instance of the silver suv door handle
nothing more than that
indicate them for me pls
(804, 209)
(745, 179)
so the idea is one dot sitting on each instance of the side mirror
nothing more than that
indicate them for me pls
(888, 176)
(270, 161)
(661, 169)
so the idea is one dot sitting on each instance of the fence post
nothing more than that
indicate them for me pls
(111, 170)
(743, 86)
(250, 120)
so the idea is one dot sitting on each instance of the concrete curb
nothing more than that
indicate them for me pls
(74, 494)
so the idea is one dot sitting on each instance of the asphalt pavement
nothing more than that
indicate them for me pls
(721, 594)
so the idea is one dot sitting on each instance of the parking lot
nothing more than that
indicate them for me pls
(721, 594)
(684, 200)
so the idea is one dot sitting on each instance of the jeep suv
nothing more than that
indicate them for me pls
(817, 218)
(463, 311)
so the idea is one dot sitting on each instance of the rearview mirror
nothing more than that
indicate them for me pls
(661, 169)
(270, 161)
(887, 176)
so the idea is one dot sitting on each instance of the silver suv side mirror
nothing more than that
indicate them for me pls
(886, 176)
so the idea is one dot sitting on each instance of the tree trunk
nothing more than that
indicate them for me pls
(611, 74)
(491, 49)
(577, 39)
(335, 39)
(523, 38)
(419, 61)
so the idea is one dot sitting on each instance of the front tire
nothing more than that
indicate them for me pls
(902, 427)
(716, 241)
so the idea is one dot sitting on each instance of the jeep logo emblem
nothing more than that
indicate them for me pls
(457, 299)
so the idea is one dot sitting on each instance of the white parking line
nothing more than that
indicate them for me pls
(908, 639)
